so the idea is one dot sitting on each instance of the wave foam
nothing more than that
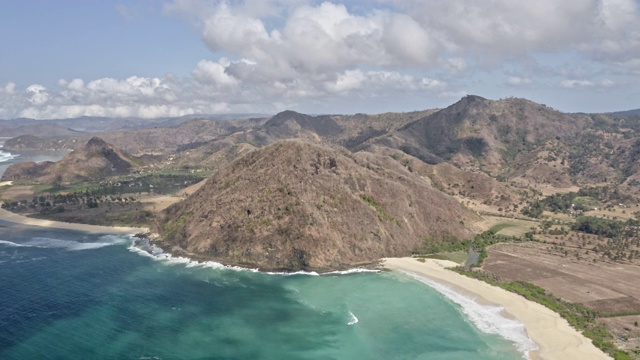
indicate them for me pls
(51, 243)
(12, 244)
(6, 156)
(145, 248)
(487, 318)
(352, 319)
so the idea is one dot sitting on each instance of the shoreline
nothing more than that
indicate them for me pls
(555, 338)
(91, 229)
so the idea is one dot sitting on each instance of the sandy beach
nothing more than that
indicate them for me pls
(553, 335)
(93, 229)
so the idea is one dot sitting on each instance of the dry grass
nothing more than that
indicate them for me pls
(604, 286)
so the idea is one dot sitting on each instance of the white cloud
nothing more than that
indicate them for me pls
(276, 54)
(518, 81)
(37, 94)
(349, 80)
(432, 84)
(209, 72)
(455, 64)
(76, 84)
(9, 88)
(573, 83)
(582, 83)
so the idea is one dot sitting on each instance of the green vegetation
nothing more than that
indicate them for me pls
(171, 228)
(584, 200)
(598, 226)
(382, 213)
(457, 256)
(498, 227)
(619, 313)
(133, 218)
(479, 243)
(577, 315)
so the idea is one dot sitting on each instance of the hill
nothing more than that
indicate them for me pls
(296, 205)
(25, 142)
(43, 130)
(95, 160)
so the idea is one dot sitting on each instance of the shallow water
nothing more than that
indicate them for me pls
(67, 294)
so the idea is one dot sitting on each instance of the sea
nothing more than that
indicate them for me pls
(73, 295)
(7, 158)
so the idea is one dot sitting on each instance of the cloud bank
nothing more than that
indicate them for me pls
(267, 56)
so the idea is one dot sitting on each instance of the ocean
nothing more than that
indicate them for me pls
(7, 158)
(72, 295)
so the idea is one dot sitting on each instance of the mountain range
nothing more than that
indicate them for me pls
(295, 191)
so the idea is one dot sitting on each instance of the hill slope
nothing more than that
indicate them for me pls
(294, 205)
(95, 160)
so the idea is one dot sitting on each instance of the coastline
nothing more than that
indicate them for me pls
(555, 338)
(92, 229)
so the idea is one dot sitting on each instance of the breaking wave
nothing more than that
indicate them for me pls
(143, 247)
(6, 156)
(11, 244)
(51, 243)
(487, 318)
(352, 319)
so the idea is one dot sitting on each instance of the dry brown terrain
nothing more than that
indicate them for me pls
(295, 205)
(604, 286)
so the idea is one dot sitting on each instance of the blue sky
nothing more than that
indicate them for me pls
(169, 58)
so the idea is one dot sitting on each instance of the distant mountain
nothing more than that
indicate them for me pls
(295, 205)
(96, 124)
(43, 130)
(511, 139)
(627, 112)
(95, 160)
(25, 142)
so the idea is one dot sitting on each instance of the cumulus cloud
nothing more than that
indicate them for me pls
(269, 55)
(9, 88)
(37, 94)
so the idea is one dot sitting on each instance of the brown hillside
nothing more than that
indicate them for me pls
(294, 205)
(477, 133)
(25, 142)
(95, 160)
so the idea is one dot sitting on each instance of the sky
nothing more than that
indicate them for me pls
(144, 58)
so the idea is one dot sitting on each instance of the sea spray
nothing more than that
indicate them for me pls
(352, 319)
(487, 318)
(71, 245)
(6, 156)
(144, 247)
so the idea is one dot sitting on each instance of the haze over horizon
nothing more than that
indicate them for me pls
(172, 58)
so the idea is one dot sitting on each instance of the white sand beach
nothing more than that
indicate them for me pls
(93, 229)
(553, 335)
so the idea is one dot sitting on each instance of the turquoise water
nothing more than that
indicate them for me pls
(69, 295)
